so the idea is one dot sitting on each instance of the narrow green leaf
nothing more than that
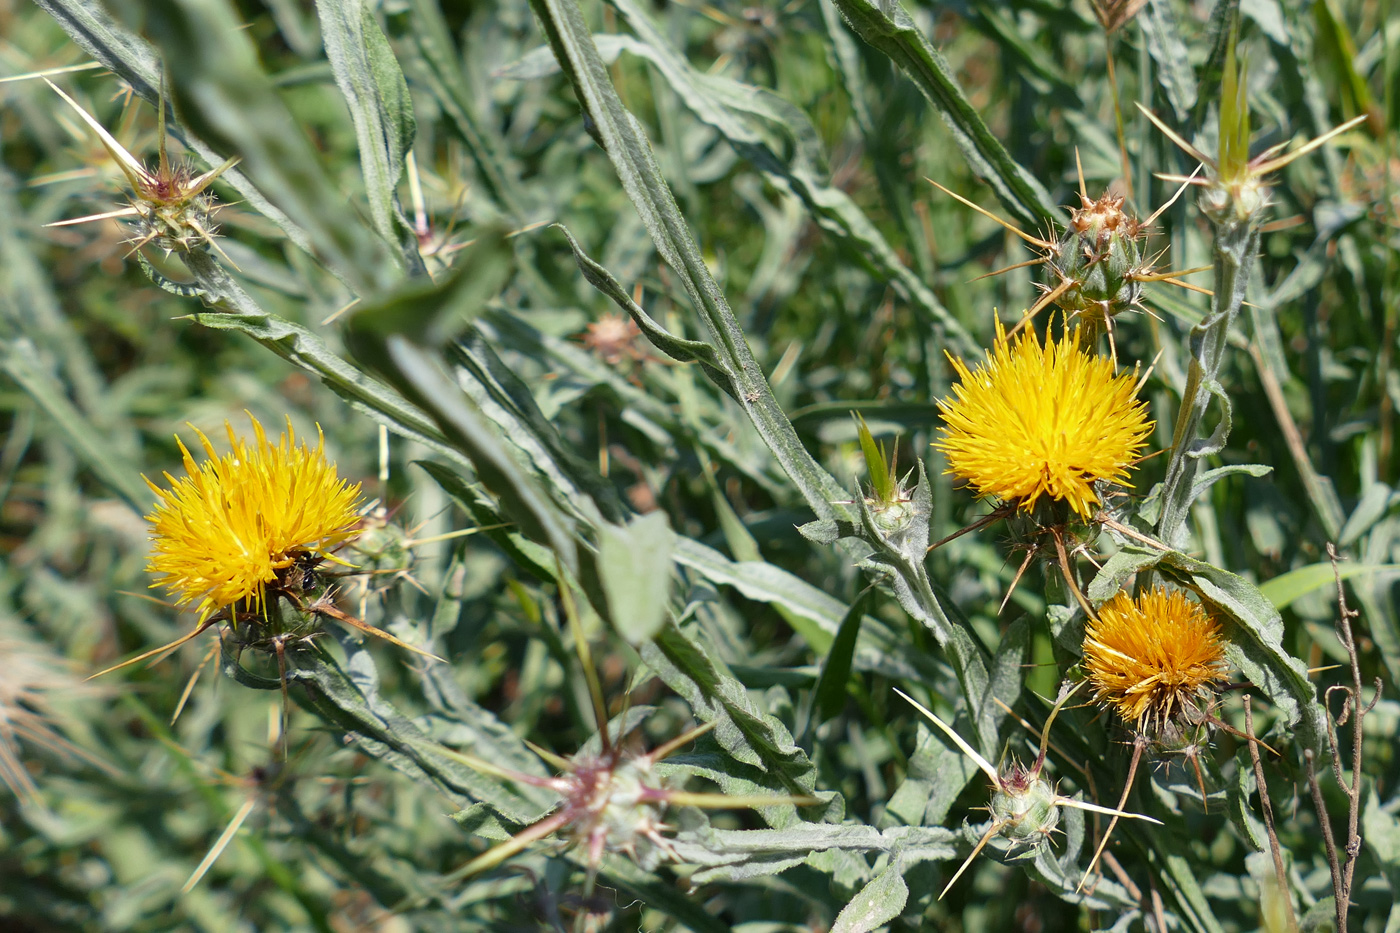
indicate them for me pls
(632, 157)
(377, 94)
(890, 29)
(882, 480)
(1283, 589)
(832, 685)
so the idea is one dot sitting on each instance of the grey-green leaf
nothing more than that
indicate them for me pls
(634, 562)
(878, 902)
(377, 94)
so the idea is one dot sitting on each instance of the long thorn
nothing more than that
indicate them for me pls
(482, 766)
(1174, 137)
(981, 844)
(494, 856)
(1162, 276)
(1138, 746)
(324, 607)
(558, 762)
(154, 651)
(988, 275)
(1020, 571)
(134, 171)
(1069, 574)
(1275, 164)
(984, 521)
(1107, 811)
(1049, 720)
(1172, 200)
(1036, 308)
(220, 844)
(51, 71)
(1033, 240)
(958, 740)
(189, 685)
(120, 212)
(685, 738)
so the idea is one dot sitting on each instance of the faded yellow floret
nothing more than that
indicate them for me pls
(1150, 658)
(1038, 420)
(220, 534)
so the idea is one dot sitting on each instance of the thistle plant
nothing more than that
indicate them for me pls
(593, 296)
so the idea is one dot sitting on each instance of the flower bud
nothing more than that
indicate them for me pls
(1024, 806)
(1100, 254)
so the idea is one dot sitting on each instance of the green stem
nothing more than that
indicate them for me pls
(1236, 243)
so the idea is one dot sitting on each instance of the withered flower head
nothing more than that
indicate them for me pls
(1154, 658)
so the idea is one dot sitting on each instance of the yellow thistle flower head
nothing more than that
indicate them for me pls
(1153, 657)
(221, 534)
(1042, 419)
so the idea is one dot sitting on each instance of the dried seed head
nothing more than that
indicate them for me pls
(1155, 660)
(614, 338)
(32, 675)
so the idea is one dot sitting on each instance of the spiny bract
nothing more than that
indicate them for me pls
(221, 533)
(1042, 419)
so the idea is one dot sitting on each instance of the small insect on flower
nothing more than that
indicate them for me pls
(1039, 420)
(238, 523)
(241, 538)
(1025, 806)
(1154, 659)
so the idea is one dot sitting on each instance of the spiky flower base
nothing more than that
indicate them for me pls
(1098, 263)
(179, 226)
(612, 802)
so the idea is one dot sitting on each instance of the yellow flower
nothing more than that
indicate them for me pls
(1037, 420)
(221, 534)
(1153, 657)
